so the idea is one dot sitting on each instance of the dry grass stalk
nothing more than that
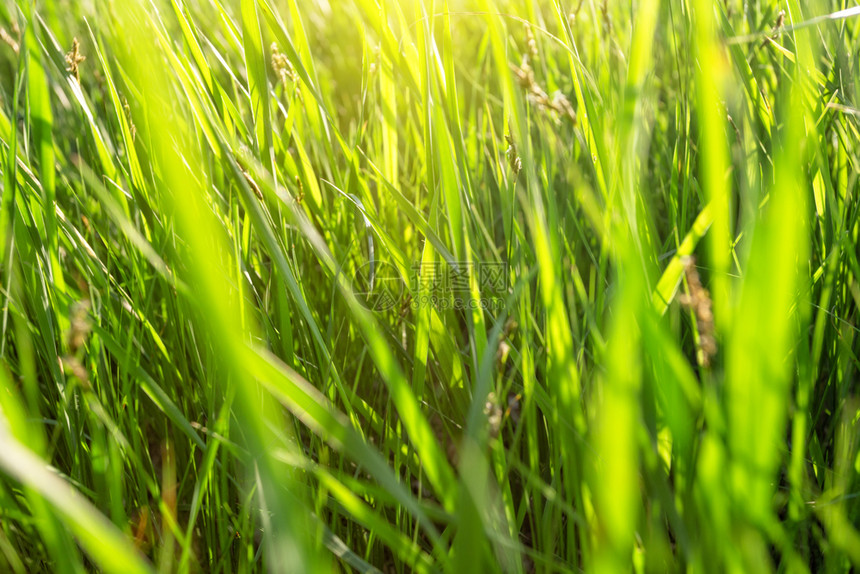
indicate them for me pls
(7, 38)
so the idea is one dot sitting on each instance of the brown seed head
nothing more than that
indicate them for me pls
(74, 59)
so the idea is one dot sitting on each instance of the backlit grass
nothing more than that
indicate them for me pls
(429, 286)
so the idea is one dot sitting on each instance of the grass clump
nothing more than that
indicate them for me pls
(427, 286)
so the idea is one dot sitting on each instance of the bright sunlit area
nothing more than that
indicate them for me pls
(433, 286)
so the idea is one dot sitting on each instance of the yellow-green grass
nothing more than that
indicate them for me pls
(429, 285)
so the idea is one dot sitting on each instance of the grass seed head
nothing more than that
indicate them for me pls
(74, 58)
(514, 160)
(493, 412)
(300, 190)
(699, 301)
(127, 109)
(284, 69)
(558, 105)
(531, 43)
(79, 326)
(777, 28)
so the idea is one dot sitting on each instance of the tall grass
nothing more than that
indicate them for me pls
(403, 285)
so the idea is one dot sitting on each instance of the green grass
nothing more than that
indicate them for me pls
(224, 342)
